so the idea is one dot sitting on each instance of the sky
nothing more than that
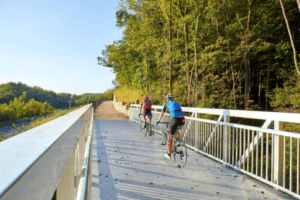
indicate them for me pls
(55, 44)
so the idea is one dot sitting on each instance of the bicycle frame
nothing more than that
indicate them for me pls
(177, 132)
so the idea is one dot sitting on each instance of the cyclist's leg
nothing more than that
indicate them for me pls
(172, 132)
(179, 122)
(144, 117)
(150, 115)
(177, 133)
(143, 114)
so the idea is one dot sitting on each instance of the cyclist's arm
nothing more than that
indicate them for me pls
(162, 112)
(141, 108)
(161, 116)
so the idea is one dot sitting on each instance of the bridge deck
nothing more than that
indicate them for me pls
(127, 165)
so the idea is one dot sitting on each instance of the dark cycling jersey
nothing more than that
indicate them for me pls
(174, 108)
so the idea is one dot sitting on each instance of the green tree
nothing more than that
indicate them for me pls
(17, 107)
(221, 54)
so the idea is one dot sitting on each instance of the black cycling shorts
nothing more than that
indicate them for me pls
(176, 121)
(147, 112)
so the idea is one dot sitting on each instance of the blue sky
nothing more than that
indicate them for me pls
(55, 44)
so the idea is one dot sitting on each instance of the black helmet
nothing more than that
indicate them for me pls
(169, 97)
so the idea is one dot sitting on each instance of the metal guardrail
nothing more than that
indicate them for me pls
(46, 162)
(82, 187)
(266, 154)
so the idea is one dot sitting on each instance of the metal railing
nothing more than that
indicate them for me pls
(267, 154)
(49, 161)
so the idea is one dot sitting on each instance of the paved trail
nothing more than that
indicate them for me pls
(127, 165)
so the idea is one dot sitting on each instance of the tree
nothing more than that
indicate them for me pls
(220, 54)
(291, 37)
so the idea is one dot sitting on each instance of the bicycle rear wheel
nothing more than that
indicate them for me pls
(180, 153)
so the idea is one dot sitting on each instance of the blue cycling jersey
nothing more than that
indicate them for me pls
(174, 108)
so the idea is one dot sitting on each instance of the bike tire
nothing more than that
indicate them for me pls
(151, 127)
(147, 130)
(180, 153)
(141, 128)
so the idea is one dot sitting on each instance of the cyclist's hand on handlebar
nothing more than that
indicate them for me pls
(157, 122)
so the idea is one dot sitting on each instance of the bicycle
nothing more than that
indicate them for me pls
(179, 149)
(149, 128)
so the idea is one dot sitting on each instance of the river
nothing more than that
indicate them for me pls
(7, 127)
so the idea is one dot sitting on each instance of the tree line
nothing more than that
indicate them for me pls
(18, 108)
(17, 100)
(11, 90)
(209, 53)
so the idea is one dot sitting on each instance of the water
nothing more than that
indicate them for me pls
(7, 127)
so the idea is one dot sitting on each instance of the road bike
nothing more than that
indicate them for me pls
(179, 150)
(149, 130)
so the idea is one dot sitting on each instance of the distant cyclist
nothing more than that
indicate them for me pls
(177, 119)
(146, 106)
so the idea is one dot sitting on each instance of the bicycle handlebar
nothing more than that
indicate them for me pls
(157, 124)
(162, 122)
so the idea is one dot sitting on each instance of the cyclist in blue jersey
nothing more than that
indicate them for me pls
(177, 119)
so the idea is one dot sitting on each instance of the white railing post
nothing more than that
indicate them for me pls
(196, 132)
(278, 156)
(225, 155)
(253, 143)
(212, 133)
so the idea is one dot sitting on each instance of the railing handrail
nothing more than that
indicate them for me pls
(82, 186)
(262, 115)
(20, 152)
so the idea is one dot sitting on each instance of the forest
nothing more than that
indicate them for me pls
(209, 53)
(17, 100)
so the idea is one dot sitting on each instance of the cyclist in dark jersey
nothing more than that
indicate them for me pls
(146, 106)
(177, 119)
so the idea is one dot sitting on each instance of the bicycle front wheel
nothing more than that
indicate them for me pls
(141, 128)
(147, 130)
(151, 131)
(163, 143)
(180, 153)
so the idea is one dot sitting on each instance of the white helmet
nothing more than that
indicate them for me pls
(169, 97)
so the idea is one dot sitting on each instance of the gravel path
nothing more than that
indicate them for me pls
(127, 165)
(106, 111)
